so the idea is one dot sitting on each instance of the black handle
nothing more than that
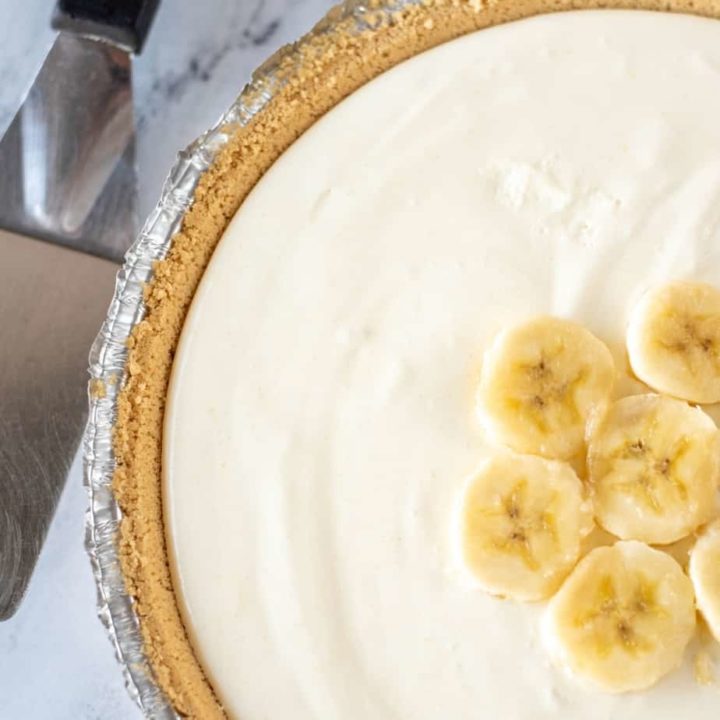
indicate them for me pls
(122, 22)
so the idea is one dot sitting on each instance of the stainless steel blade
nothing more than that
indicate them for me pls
(67, 176)
(60, 178)
(52, 302)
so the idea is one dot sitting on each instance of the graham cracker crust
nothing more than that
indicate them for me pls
(319, 71)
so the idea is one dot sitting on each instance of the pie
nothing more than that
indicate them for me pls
(298, 414)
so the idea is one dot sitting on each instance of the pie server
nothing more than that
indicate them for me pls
(67, 214)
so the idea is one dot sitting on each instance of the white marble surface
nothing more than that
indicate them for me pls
(55, 659)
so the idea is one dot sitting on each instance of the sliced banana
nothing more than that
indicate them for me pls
(540, 383)
(673, 341)
(623, 618)
(523, 520)
(705, 575)
(653, 465)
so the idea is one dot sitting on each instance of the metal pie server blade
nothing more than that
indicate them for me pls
(67, 214)
(52, 302)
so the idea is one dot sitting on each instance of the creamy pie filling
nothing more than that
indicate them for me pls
(321, 419)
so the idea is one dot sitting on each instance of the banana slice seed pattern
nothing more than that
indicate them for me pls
(613, 618)
(513, 510)
(540, 383)
(650, 474)
(548, 394)
(694, 339)
(522, 521)
(673, 340)
(653, 465)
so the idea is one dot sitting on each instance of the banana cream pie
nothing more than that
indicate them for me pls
(313, 440)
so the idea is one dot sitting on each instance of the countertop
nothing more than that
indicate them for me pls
(55, 659)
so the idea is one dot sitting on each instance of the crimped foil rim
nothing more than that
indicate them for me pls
(108, 356)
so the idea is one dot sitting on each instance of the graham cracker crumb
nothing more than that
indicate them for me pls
(323, 68)
(97, 389)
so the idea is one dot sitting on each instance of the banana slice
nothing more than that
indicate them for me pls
(523, 520)
(540, 382)
(705, 575)
(623, 618)
(653, 464)
(673, 341)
